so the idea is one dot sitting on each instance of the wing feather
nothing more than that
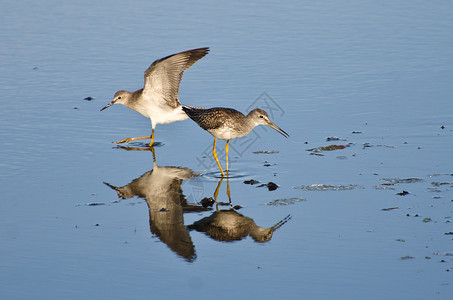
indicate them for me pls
(163, 77)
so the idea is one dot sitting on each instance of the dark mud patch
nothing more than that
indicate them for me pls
(270, 185)
(403, 193)
(251, 181)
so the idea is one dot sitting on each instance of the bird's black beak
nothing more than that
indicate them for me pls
(278, 129)
(110, 104)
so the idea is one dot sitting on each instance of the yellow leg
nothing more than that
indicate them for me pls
(226, 153)
(132, 139)
(228, 189)
(216, 159)
(152, 139)
(154, 154)
(216, 193)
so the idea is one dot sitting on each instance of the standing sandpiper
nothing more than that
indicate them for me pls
(227, 123)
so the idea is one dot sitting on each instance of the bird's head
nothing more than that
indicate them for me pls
(261, 118)
(120, 97)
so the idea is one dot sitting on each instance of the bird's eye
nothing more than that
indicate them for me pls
(261, 117)
(119, 97)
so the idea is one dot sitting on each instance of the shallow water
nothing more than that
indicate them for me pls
(374, 78)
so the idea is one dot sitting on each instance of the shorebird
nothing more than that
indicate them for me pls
(158, 100)
(229, 225)
(227, 123)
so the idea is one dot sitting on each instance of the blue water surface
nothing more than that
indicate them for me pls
(80, 218)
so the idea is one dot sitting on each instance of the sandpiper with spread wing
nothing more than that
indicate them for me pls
(158, 100)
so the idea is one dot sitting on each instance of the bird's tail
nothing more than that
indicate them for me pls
(191, 110)
(192, 107)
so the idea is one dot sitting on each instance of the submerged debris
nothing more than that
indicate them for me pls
(440, 174)
(334, 138)
(401, 180)
(406, 257)
(383, 187)
(287, 201)
(368, 145)
(207, 202)
(390, 208)
(267, 164)
(403, 193)
(441, 183)
(92, 204)
(270, 185)
(265, 152)
(316, 154)
(251, 181)
(326, 187)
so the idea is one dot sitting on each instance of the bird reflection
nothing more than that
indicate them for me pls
(161, 188)
(228, 225)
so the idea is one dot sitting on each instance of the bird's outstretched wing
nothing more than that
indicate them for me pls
(163, 77)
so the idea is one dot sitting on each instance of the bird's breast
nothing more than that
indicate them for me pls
(226, 133)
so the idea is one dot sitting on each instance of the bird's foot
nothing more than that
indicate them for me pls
(124, 141)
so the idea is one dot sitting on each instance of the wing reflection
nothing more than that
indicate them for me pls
(161, 188)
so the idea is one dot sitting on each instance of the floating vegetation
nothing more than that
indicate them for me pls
(287, 201)
(406, 257)
(401, 180)
(440, 174)
(316, 154)
(265, 152)
(326, 187)
(400, 240)
(368, 145)
(92, 204)
(267, 164)
(426, 220)
(334, 138)
(390, 208)
(327, 148)
(383, 187)
(441, 183)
